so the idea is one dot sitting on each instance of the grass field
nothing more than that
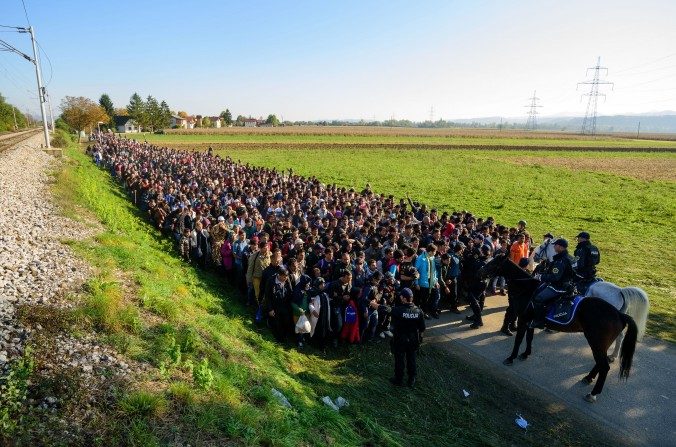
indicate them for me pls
(626, 200)
(493, 139)
(213, 370)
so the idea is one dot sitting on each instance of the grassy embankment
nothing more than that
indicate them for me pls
(632, 221)
(154, 308)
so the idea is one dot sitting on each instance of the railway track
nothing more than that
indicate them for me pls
(9, 140)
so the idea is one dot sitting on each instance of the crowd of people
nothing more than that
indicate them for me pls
(321, 264)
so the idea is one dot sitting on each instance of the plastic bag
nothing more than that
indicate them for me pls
(303, 325)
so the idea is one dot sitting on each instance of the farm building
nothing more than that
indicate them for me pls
(216, 121)
(251, 122)
(125, 124)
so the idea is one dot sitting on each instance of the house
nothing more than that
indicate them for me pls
(250, 122)
(178, 122)
(124, 124)
(216, 121)
(190, 122)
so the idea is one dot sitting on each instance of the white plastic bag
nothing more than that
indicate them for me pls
(303, 325)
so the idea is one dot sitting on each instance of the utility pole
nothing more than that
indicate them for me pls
(16, 126)
(41, 89)
(432, 114)
(589, 123)
(532, 123)
(51, 114)
(638, 131)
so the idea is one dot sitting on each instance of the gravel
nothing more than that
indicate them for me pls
(36, 269)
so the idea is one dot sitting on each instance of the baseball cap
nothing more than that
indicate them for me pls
(583, 234)
(406, 293)
(562, 242)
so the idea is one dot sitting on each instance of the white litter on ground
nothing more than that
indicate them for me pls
(521, 422)
(281, 398)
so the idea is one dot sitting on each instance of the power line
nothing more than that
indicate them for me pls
(25, 12)
(589, 123)
(51, 69)
(532, 123)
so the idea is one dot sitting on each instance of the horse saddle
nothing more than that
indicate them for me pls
(563, 311)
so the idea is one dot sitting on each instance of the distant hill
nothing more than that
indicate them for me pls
(663, 123)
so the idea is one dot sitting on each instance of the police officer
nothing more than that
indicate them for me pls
(586, 257)
(556, 281)
(409, 324)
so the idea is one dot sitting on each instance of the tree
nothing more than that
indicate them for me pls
(136, 109)
(7, 114)
(107, 104)
(182, 114)
(165, 115)
(121, 111)
(227, 117)
(81, 113)
(206, 122)
(272, 119)
(240, 120)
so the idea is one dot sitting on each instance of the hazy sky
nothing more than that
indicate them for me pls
(348, 59)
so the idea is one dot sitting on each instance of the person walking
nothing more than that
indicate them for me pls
(409, 324)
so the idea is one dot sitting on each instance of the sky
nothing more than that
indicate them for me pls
(366, 59)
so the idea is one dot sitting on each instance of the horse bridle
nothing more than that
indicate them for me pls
(543, 248)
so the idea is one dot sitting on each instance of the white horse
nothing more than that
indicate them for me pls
(631, 301)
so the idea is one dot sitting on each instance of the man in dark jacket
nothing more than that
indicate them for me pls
(277, 304)
(477, 286)
(409, 324)
(587, 256)
(556, 282)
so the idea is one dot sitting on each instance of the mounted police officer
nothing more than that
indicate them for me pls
(586, 257)
(557, 281)
(409, 324)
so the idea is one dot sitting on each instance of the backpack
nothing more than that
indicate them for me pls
(350, 314)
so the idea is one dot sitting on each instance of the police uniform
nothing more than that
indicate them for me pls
(587, 256)
(556, 281)
(409, 324)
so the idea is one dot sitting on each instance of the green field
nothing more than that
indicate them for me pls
(349, 139)
(629, 208)
(211, 371)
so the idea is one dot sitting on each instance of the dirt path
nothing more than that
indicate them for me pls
(642, 408)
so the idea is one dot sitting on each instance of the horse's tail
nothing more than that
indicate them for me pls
(637, 306)
(628, 346)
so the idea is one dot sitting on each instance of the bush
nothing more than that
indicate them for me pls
(61, 138)
(143, 404)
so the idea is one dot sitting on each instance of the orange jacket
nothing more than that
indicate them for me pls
(518, 251)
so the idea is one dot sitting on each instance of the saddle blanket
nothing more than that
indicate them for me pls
(563, 311)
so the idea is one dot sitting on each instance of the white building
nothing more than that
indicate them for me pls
(124, 124)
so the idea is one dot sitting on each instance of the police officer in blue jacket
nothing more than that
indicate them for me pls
(556, 282)
(409, 324)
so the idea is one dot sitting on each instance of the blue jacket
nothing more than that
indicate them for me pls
(422, 265)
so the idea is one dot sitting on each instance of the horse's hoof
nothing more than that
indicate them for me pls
(590, 398)
(586, 380)
(523, 356)
(508, 361)
(611, 358)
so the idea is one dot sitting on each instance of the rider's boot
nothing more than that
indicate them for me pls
(538, 317)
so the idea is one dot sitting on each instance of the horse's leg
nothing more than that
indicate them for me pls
(589, 378)
(602, 365)
(616, 350)
(529, 344)
(520, 332)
